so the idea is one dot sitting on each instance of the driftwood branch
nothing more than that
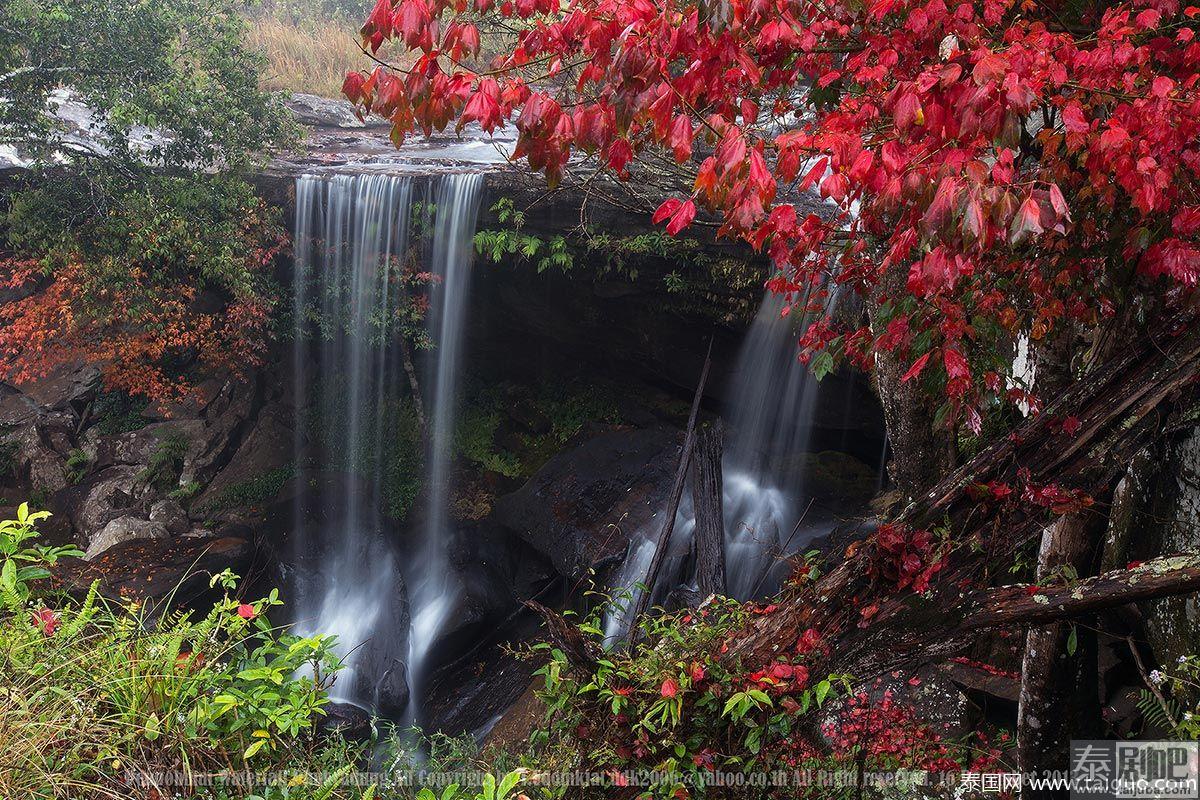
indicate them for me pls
(581, 654)
(664, 537)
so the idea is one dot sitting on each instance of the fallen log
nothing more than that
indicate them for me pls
(664, 536)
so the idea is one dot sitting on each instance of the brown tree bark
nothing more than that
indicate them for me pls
(707, 490)
(1052, 675)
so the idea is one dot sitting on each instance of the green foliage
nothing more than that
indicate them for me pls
(95, 691)
(1174, 708)
(117, 412)
(474, 440)
(669, 703)
(165, 462)
(605, 253)
(22, 564)
(258, 489)
(78, 462)
(192, 81)
(400, 457)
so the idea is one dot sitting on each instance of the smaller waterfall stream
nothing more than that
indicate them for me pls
(770, 409)
(352, 233)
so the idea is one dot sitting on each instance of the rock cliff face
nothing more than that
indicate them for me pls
(116, 471)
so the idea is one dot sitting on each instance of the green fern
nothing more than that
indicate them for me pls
(1162, 715)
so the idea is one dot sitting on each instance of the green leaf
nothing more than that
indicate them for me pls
(1072, 641)
(254, 748)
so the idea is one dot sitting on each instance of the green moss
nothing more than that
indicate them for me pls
(253, 491)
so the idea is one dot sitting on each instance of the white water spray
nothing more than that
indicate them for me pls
(351, 230)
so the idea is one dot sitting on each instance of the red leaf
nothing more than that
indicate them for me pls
(915, 369)
(678, 213)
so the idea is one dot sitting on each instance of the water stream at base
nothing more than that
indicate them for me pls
(351, 233)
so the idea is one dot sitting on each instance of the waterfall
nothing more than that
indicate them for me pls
(770, 407)
(433, 593)
(352, 235)
(770, 412)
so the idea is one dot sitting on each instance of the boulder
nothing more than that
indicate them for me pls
(171, 516)
(150, 570)
(345, 721)
(100, 498)
(123, 529)
(267, 447)
(582, 507)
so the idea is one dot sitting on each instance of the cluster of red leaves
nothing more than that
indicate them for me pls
(1024, 164)
(888, 730)
(131, 329)
(904, 558)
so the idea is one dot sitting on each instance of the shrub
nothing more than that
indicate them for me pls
(98, 695)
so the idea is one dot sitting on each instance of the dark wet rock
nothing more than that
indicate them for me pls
(152, 569)
(121, 530)
(472, 693)
(380, 675)
(171, 516)
(346, 721)
(514, 727)
(582, 507)
(267, 447)
(839, 480)
(389, 691)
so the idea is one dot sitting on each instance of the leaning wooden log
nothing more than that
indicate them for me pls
(707, 488)
(664, 536)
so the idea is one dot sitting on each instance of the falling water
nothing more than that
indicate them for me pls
(351, 231)
(770, 419)
(770, 408)
(432, 594)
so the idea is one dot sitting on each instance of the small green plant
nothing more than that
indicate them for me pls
(1172, 704)
(22, 564)
(165, 462)
(78, 462)
(185, 493)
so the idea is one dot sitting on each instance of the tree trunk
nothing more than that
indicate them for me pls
(411, 371)
(921, 454)
(1051, 677)
(707, 489)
